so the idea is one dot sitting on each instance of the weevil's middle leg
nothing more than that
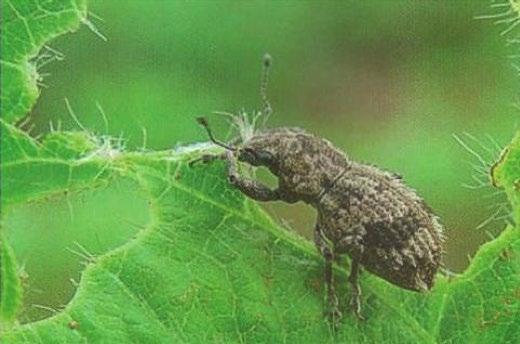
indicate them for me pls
(328, 253)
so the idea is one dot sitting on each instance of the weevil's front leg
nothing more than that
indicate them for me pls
(249, 187)
(355, 293)
(327, 253)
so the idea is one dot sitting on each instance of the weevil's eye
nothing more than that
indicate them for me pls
(264, 157)
(248, 155)
(255, 158)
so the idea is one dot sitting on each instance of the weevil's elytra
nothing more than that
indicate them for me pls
(363, 211)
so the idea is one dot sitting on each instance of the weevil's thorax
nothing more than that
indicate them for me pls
(304, 163)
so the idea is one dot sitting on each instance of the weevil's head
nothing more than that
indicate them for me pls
(259, 150)
(256, 156)
(269, 148)
(290, 154)
(256, 148)
(251, 146)
(295, 157)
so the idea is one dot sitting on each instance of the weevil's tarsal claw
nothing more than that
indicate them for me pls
(334, 315)
(355, 306)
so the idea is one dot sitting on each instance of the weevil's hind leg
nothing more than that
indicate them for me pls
(355, 294)
(332, 299)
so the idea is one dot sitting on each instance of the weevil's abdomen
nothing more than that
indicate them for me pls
(371, 215)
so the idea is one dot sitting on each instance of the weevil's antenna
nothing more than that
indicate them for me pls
(267, 109)
(204, 123)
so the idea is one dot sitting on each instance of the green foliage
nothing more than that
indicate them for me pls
(60, 162)
(26, 26)
(506, 174)
(10, 289)
(210, 266)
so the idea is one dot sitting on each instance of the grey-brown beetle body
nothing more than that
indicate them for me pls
(363, 211)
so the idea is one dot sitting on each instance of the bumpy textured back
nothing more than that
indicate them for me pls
(371, 215)
(363, 211)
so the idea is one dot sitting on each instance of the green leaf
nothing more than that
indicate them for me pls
(10, 288)
(26, 26)
(210, 266)
(506, 174)
(63, 162)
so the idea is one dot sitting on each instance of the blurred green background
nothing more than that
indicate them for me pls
(389, 82)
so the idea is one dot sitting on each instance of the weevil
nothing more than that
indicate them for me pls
(362, 211)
